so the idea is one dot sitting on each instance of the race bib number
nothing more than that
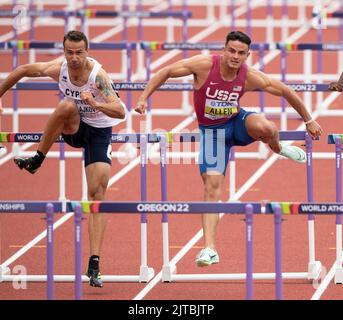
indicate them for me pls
(216, 109)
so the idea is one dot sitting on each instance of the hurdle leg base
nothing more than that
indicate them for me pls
(4, 271)
(167, 272)
(16, 149)
(339, 275)
(263, 151)
(146, 274)
(314, 270)
(3, 151)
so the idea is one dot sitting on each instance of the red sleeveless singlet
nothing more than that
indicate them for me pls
(218, 100)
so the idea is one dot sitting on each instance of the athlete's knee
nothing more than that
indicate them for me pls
(66, 109)
(96, 193)
(265, 131)
(212, 188)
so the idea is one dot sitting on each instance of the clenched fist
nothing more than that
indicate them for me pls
(88, 98)
(141, 106)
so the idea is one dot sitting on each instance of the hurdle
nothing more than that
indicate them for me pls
(35, 207)
(125, 46)
(312, 208)
(314, 267)
(336, 139)
(140, 86)
(284, 111)
(17, 45)
(146, 273)
(84, 14)
(161, 207)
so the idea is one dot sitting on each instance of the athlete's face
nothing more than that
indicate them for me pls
(235, 54)
(76, 54)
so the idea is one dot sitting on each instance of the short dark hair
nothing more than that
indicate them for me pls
(75, 36)
(238, 35)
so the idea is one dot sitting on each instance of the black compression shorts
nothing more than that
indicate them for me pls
(95, 141)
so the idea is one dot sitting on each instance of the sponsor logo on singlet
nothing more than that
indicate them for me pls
(220, 104)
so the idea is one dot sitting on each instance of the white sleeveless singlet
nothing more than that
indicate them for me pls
(88, 114)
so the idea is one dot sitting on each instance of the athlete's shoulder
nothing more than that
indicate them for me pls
(252, 71)
(200, 62)
(256, 79)
(102, 74)
(50, 68)
(254, 74)
(202, 58)
(57, 63)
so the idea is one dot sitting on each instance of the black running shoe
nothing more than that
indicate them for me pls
(29, 164)
(94, 278)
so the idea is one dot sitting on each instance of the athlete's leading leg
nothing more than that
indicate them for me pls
(65, 119)
(259, 128)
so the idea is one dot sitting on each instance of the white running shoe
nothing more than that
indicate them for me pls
(206, 257)
(293, 152)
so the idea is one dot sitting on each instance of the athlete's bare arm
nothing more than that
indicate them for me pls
(198, 66)
(40, 69)
(259, 80)
(112, 106)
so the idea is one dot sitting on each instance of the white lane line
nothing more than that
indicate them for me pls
(325, 283)
(33, 242)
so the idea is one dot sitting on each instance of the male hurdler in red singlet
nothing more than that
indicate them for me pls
(219, 83)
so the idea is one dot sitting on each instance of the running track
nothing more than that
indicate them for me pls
(279, 180)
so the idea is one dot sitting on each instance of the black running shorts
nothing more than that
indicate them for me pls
(95, 141)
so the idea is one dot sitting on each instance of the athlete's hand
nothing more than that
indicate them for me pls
(314, 129)
(141, 106)
(87, 98)
(336, 86)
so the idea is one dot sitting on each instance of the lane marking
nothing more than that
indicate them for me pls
(180, 247)
(34, 241)
(325, 282)
(21, 246)
(250, 190)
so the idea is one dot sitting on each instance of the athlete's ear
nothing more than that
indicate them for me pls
(86, 47)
